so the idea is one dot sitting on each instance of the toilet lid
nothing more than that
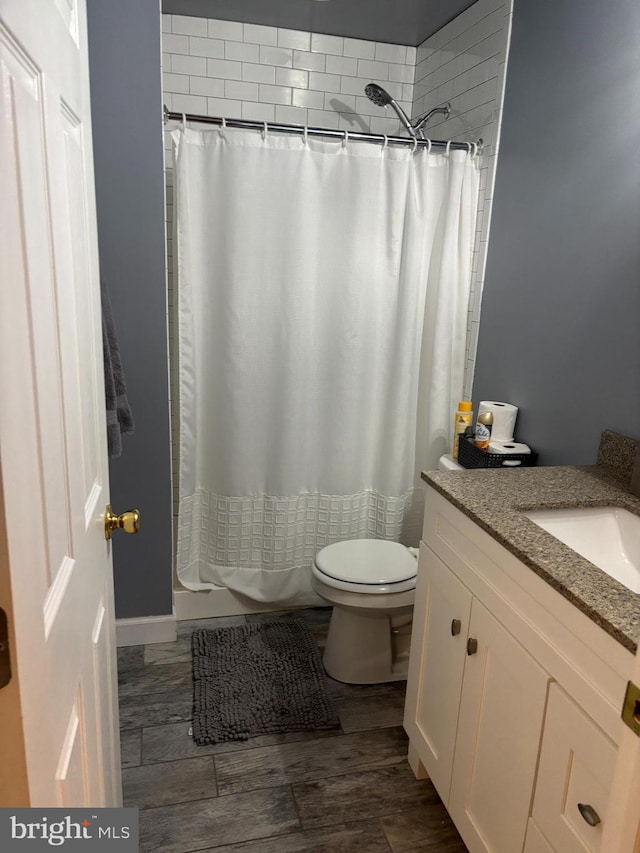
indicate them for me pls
(367, 561)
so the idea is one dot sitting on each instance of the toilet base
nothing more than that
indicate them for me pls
(367, 648)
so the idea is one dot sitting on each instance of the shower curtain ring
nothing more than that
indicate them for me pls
(448, 147)
(428, 147)
(469, 149)
(264, 130)
(415, 144)
(346, 139)
(306, 134)
(184, 121)
(385, 141)
(223, 126)
(475, 151)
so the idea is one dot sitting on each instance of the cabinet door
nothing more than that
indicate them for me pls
(536, 842)
(499, 729)
(576, 767)
(436, 666)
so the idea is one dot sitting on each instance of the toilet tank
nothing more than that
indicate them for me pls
(448, 463)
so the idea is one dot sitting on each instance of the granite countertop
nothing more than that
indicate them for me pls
(496, 499)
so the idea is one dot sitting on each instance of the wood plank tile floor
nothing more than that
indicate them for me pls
(321, 792)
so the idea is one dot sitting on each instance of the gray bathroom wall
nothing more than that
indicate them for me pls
(126, 93)
(560, 324)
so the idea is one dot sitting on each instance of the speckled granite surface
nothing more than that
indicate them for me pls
(617, 452)
(496, 499)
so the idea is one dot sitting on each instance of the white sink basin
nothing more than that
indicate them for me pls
(609, 537)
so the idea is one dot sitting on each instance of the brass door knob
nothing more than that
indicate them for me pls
(128, 521)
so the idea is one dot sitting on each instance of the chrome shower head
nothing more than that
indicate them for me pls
(382, 98)
(378, 95)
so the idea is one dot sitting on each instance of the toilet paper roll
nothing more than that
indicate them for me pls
(508, 447)
(504, 419)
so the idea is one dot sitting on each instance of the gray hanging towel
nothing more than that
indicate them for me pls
(119, 417)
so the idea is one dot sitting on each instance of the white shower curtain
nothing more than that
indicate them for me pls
(323, 295)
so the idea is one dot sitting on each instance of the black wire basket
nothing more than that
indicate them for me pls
(470, 456)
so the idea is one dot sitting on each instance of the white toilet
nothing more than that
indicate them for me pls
(371, 585)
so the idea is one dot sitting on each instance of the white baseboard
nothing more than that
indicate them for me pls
(146, 629)
(206, 604)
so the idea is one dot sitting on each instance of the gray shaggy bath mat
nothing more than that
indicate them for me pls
(258, 679)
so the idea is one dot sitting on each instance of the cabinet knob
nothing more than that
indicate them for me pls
(589, 814)
(456, 627)
(472, 646)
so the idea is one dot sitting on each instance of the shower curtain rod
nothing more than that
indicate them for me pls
(322, 131)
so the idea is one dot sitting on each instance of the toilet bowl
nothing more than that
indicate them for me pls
(371, 585)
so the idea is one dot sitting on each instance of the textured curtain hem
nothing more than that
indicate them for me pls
(291, 586)
(263, 546)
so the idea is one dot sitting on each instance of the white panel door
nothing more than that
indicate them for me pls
(52, 421)
(499, 729)
(436, 665)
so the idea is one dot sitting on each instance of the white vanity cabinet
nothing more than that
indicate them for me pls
(513, 696)
(536, 842)
(501, 712)
(576, 768)
(442, 623)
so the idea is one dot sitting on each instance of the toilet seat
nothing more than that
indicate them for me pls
(367, 566)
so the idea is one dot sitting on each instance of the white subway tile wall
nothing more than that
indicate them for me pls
(464, 63)
(236, 70)
(210, 59)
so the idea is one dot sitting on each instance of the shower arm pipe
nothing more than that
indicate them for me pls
(301, 130)
(419, 123)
